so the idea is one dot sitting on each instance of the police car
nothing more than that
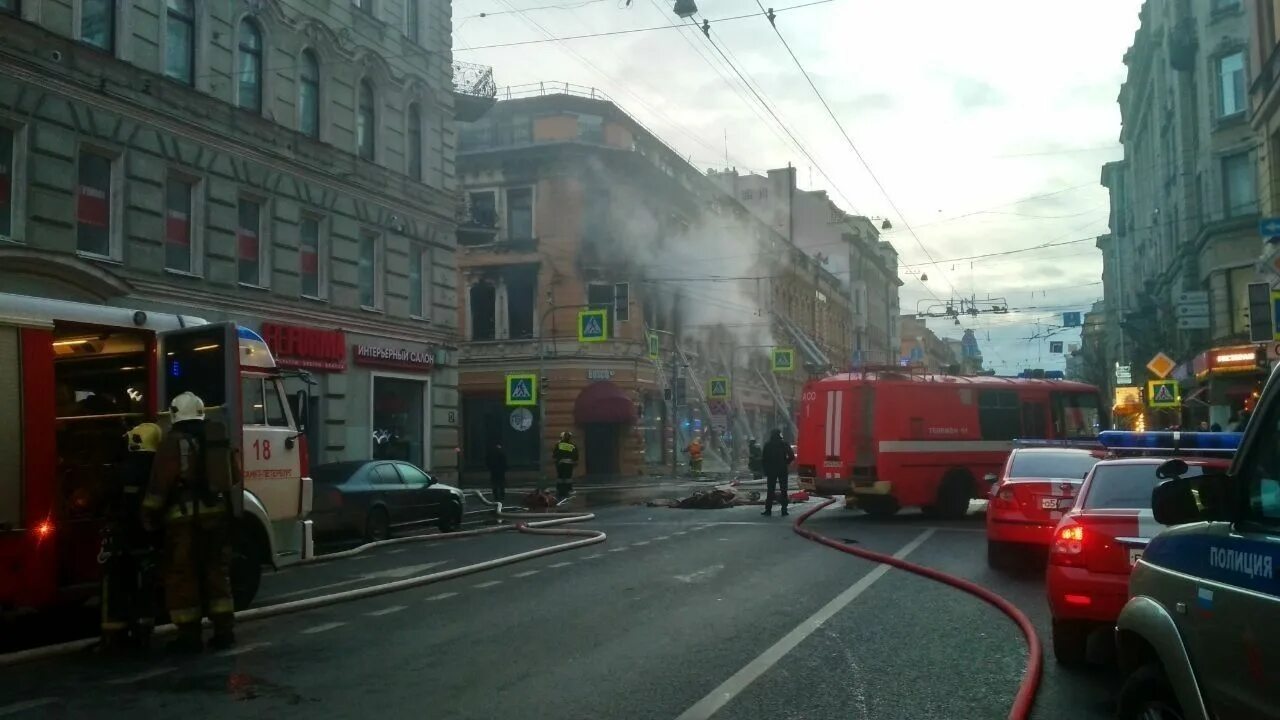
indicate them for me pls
(1199, 637)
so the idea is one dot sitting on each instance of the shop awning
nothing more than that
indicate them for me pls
(603, 402)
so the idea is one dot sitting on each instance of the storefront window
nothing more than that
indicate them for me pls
(398, 414)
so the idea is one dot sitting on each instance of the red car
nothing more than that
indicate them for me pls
(1096, 545)
(1036, 486)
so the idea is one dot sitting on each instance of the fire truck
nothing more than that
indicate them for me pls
(892, 438)
(73, 378)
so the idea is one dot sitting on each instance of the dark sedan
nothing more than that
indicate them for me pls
(374, 498)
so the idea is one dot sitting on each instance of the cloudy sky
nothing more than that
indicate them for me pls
(986, 123)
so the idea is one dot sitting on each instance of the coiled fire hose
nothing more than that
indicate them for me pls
(1026, 695)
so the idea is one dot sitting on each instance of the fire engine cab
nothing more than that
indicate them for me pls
(891, 438)
(73, 379)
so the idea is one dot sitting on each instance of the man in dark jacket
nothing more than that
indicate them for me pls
(775, 460)
(496, 460)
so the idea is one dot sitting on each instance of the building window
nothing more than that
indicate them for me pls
(370, 272)
(249, 246)
(483, 208)
(311, 267)
(249, 70)
(415, 142)
(95, 206)
(179, 39)
(411, 20)
(179, 227)
(746, 194)
(420, 282)
(602, 296)
(591, 128)
(8, 175)
(520, 213)
(98, 23)
(1239, 185)
(309, 95)
(1231, 90)
(365, 118)
(483, 310)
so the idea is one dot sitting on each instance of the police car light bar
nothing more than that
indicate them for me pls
(1173, 441)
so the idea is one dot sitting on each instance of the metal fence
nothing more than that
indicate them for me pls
(474, 80)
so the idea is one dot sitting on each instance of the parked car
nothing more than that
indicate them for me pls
(1028, 498)
(374, 498)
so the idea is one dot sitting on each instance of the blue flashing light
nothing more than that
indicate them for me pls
(175, 369)
(1216, 442)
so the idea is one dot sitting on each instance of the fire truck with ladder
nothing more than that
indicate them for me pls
(73, 378)
(894, 437)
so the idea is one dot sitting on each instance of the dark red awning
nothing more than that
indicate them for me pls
(603, 402)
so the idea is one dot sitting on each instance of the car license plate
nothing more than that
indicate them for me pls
(1135, 554)
(1055, 503)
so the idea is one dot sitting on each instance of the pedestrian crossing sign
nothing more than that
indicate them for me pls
(718, 388)
(654, 346)
(593, 326)
(1163, 394)
(783, 359)
(522, 390)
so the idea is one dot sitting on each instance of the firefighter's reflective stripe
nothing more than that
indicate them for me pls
(182, 616)
(567, 448)
(221, 606)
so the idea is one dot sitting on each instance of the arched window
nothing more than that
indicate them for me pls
(309, 95)
(365, 118)
(415, 142)
(180, 40)
(249, 70)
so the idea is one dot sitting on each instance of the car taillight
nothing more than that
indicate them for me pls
(1068, 545)
(1001, 494)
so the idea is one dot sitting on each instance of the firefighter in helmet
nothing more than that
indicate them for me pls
(566, 457)
(190, 493)
(128, 549)
(695, 456)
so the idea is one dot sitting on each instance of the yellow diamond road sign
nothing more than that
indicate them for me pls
(1163, 394)
(1161, 365)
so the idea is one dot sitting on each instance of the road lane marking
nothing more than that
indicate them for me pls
(739, 681)
(561, 564)
(489, 584)
(147, 675)
(662, 537)
(441, 596)
(700, 575)
(243, 649)
(621, 549)
(593, 557)
(638, 543)
(386, 611)
(27, 705)
(680, 532)
(396, 551)
(326, 627)
(526, 573)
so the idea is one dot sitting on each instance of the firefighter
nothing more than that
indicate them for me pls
(190, 492)
(496, 460)
(754, 459)
(566, 457)
(128, 549)
(695, 456)
(776, 460)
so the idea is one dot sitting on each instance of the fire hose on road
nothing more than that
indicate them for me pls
(546, 524)
(1026, 694)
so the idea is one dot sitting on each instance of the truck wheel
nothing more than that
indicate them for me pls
(953, 497)
(1147, 695)
(878, 507)
(1070, 642)
(248, 553)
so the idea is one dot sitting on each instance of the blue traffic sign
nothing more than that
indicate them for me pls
(1269, 227)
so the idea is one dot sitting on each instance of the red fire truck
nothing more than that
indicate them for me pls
(73, 379)
(893, 438)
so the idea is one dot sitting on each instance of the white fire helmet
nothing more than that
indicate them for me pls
(187, 406)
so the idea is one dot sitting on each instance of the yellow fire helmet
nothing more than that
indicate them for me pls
(145, 437)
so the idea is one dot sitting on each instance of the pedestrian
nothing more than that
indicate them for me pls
(775, 460)
(190, 493)
(695, 456)
(1215, 428)
(1244, 421)
(753, 459)
(128, 549)
(566, 457)
(1203, 426)
(496, 460)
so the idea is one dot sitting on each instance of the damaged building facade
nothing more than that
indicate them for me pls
(571, 204)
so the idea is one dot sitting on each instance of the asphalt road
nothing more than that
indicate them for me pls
(679, 614)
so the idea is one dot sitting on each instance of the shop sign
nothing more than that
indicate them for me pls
(1163, 394)
(398, 358)
(1232, 359)
(597, 374)
(306, 348)
(1127, 397)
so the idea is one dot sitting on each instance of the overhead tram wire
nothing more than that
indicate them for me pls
(857, 153)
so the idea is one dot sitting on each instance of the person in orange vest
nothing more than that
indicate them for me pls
(695, 456)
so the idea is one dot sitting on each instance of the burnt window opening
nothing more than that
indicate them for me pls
(483, 208)
(522, 284)
(484, 322)
(520, 214)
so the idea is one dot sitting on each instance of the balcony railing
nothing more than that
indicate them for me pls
(474, 90)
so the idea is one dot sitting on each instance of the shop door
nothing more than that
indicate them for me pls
(602, 449)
